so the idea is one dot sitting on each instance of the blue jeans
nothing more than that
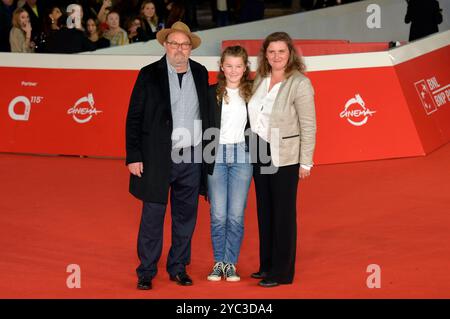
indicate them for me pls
(228, 188)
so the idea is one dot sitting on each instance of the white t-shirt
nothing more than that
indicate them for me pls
(234, 118)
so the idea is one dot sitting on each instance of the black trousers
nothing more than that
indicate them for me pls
(184, 192)
(276, 197)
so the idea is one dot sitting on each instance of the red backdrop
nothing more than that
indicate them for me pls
(362, 113)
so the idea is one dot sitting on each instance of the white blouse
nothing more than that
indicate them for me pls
(233, 118)
(260, 108)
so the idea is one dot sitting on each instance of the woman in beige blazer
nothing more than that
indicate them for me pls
(282, 118)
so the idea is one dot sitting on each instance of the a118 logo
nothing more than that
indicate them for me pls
(27, 103)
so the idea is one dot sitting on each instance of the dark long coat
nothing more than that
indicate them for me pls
(149, 128)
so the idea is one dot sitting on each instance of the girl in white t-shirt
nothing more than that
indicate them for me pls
(231, 171)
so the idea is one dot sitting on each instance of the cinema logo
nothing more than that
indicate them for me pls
(356, 112)
(432, 94)
(83, 109)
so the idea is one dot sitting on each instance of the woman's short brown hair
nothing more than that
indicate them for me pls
(294, 63)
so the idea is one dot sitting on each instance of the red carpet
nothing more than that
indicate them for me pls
(56, 211)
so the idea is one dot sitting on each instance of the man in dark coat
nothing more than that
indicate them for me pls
(424, 15)
(167, 116)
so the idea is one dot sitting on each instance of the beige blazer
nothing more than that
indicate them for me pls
(292, 122)
(17, 41)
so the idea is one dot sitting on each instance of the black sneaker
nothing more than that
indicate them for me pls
(230, 273)
(217, 272)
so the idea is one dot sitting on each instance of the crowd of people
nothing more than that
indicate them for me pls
(50, 27)
(70, 26)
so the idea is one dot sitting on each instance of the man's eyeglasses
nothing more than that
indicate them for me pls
(176, 45)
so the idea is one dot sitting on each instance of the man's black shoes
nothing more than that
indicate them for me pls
(182, 279)
(144, 283)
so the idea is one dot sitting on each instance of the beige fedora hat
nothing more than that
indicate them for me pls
(179, 26)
